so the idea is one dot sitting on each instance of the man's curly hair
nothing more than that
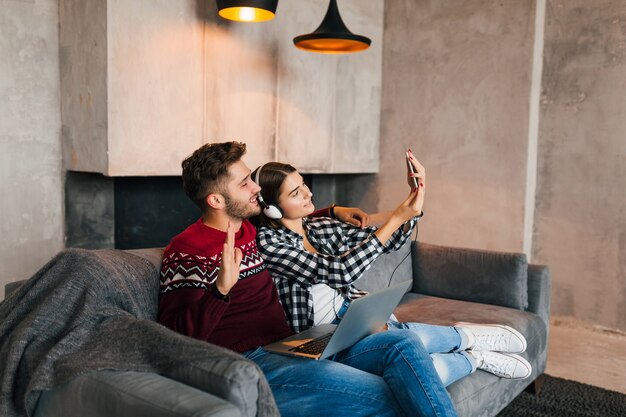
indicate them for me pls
(206, 170)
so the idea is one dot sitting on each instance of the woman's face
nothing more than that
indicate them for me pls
(295, 197)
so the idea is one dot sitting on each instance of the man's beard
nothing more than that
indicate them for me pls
(239, 209)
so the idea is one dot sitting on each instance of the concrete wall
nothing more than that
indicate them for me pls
(30, 160)
(145, 82)
(460, 86)
(580, 224)
(456, 89)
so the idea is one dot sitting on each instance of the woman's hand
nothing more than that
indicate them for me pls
(409, 208)
(231, 259)
(420, 171)
(412, 205)
(352, 215)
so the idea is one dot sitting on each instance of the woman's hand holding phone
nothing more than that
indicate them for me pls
(412, 205)
(415, 171)
(416, 176)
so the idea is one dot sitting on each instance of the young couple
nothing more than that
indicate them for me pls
(215, 287)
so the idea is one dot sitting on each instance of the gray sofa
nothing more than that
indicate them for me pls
(457, 284)
(449, 285)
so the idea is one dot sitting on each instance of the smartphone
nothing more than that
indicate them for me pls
(408, 161)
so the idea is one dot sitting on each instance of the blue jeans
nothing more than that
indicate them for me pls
(444, 344)
(384, 374)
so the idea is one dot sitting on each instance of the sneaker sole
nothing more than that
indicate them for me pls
(502, 326)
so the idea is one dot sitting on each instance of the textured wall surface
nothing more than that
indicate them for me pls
(456, 86)
(146, 82)
(580, 224)
(84, 108)
(155, 85)
(30, 161)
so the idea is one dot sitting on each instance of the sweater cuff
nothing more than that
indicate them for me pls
(217, 294)
(325, 212)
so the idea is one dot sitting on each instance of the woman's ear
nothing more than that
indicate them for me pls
(216, 201)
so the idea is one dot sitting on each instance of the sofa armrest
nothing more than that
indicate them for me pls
(539, 287)
(481, 276)
(236, 380)
(130, 394)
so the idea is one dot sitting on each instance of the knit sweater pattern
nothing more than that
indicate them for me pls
(252, 316)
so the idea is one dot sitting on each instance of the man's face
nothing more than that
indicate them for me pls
(241, 192)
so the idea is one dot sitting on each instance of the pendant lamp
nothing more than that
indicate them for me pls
(332, 36)
(247, 10)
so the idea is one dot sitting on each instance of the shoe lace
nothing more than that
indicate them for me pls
(496, 341)
(499, 365)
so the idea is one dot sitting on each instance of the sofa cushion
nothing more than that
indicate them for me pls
(445, 312)
(469, 274)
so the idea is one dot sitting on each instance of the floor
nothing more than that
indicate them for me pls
(586, 353)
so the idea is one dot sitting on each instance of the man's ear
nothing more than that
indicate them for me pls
(216, 201)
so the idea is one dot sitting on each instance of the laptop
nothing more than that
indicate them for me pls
(366, 315)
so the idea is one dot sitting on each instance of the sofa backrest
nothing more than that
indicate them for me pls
(12, 286)
(388, 269)
(154, 255)
(482, 276)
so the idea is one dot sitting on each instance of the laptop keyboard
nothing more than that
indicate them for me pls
(313, 347)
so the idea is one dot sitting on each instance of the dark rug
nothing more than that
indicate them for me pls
(563, 398)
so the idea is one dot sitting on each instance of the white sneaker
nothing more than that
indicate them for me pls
(504, 365)
(493, 337)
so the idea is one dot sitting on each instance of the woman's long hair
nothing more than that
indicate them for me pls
(272, 176)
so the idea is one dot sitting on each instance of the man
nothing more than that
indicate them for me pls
(214, 287)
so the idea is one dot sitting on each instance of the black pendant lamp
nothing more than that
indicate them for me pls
(247, 10)
(332, 36)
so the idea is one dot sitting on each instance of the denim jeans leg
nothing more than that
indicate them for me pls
(442, 342)
(403, 362)
(452, 366)
(306, 387)
(436, 339)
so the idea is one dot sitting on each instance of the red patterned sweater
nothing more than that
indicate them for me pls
(252, 317)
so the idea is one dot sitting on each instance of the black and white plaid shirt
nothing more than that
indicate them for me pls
(344, 253)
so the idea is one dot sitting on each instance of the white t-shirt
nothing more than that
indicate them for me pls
(326, 303)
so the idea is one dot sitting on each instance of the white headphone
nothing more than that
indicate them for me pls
(271, 211)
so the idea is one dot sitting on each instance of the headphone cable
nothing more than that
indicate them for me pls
(405, 256)
(392, 273)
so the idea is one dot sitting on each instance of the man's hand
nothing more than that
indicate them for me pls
(231, 259)
(352, 215)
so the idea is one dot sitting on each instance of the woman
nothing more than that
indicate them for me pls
(314, 262)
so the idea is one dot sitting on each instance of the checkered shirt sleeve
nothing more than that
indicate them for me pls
(399, 237)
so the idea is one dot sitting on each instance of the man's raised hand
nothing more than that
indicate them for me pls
(231, 259)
